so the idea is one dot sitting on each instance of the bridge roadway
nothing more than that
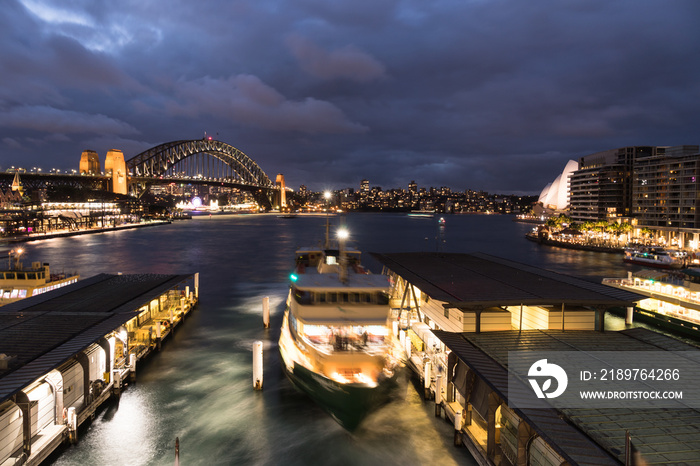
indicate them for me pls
(203, 162)
(36, 181)
(32, 181)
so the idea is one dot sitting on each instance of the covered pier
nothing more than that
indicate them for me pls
(458, 315)
(65, 352)
(476, 366)
(479, 293)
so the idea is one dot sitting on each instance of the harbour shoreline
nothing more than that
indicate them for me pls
(63, 234)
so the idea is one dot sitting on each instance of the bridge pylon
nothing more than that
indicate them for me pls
(279, 182)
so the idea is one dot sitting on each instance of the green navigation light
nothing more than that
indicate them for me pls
(293, 277)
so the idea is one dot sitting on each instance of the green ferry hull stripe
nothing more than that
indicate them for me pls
(348, 404)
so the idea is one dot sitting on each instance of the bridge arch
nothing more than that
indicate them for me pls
(160, 160)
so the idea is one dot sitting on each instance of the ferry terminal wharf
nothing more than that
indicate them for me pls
(64, 234)
(65, 352)
(458, 315)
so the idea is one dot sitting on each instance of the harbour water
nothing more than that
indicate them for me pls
(199, 387)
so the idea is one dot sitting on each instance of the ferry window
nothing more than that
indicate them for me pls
(447, 313)
(332, 297)
(366, 298)
(21, 275)
(320, 297)
(344, 297)
(31, 276)
(10, 276)
(382, 298)
(22, 294)
(302, 297)
(356, 298)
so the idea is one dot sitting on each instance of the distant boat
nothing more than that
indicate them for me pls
(421, 213)
(17, 282)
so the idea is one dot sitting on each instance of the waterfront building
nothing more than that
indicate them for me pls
(601, 188)
(665, 192)
(653, 187)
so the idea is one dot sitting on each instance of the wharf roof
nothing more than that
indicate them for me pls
(587, 435)
(480, 280)
(44, 331)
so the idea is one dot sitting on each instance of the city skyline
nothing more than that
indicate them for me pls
(485, 95)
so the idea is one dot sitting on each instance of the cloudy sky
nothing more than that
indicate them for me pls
(472, 94)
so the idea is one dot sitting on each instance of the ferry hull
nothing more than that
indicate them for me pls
(658, 265)
(348, 404)
(669, 323)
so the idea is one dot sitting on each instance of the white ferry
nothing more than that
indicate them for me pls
(18, 282)
(653, 257)
(336, 342)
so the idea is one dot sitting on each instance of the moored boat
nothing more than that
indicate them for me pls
(18, 282)
(653, 257)
(335, 342)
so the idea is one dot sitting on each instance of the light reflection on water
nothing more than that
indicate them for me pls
(199, 387)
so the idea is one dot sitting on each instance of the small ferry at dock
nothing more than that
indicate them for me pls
(336, 342)
(653, 257)
(18, 282)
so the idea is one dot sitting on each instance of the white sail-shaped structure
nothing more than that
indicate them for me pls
(555, 196)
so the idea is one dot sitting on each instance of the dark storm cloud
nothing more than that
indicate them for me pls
(483, 94)
(347, 62)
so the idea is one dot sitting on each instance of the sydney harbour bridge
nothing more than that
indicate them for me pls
(203, 162)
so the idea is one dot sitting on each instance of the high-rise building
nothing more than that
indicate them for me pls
(364, 186)
(665, 189)
(601, 189)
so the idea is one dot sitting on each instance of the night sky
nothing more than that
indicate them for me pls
(492, 95)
